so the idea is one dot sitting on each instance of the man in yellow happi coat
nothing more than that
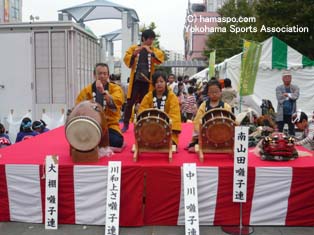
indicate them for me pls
(110, 97)
(141, 59)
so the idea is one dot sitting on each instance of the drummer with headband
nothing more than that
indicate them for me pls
(165, 100)
(301, 121)
(110, 97)
(213, 89)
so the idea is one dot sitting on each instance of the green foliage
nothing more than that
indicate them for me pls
(278, 13)
(229, 43)
(156, 43)
(153, 27)
(269, 13)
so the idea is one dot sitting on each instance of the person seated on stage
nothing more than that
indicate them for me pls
(26, 131)
(214, 101)
(4, 138)
(301, 121)
(110, 97)
(39, 126)
(165, 99)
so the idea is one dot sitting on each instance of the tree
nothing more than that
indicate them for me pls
(229, 43)
(298, 13)
(153, 27)
(268, 13)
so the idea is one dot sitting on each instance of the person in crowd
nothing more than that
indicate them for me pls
(300, 120)
(287, 95)
(190, 105)
(214, 101)
(115, 78)
(110, 97)
(180, 80)
(228, 94)
(172, 83)
(4, 138)
(181, 97)
(202, 92)
(39, 126)
(141, 59)
(165, 99)
(26, 131)
(186, 81)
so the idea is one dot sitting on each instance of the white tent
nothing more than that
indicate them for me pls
(275, 56)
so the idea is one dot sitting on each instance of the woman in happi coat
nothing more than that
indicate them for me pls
(164, 99)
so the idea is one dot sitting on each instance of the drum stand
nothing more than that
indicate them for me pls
(153, 133)
(80, 156)
(201, 149)
(165, 149)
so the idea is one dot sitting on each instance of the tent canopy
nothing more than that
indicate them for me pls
(98, 9)
(276, 56)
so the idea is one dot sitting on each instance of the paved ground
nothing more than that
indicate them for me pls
(12, 228)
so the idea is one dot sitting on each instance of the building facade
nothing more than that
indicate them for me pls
(175, 56)
(199, 23)
(10, 11)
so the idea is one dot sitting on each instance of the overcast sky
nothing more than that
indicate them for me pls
(169, 16)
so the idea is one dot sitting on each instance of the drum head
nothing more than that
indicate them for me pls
(219, 131)
(218, 113)
(153, 113)
(152, 131)
(83, 133)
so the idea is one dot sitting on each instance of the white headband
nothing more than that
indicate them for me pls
(297, 116)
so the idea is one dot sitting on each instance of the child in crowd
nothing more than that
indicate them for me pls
(4, 138)
(26, 131)
(300, 119)
(190, 105)
(214, 101)
(39, 126)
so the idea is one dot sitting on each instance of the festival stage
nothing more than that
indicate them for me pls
(279, 193)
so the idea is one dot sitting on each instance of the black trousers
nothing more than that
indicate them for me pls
(115, 138)
(139, 90)
(286, 119)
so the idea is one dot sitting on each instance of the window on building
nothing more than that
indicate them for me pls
(14, 10)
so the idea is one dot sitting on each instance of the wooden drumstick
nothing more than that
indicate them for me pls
(146, 78)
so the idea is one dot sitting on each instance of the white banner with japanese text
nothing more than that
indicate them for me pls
(113, 198)
(190, 199)
(241, 136)
(51, 209)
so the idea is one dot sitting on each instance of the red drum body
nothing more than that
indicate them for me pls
(86, 128)
(152, 132)
(217, 131)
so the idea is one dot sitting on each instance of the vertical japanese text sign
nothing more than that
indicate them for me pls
(51, 209)
(240, 163)
(113, 198)
(190, 199)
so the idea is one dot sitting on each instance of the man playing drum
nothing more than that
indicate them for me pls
(110, 97)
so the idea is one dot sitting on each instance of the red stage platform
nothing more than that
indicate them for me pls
(279, 193)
